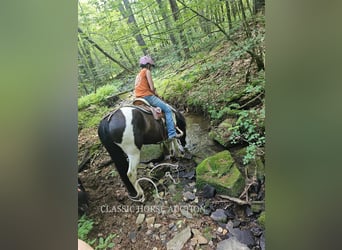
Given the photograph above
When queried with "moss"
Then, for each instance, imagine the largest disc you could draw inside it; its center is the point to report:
(216, 164)
(222, 133)
(221, 172)
(262, 219)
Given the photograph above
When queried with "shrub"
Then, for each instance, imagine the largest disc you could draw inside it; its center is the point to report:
(95, 98)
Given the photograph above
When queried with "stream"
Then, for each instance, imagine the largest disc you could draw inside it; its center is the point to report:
(199, 144)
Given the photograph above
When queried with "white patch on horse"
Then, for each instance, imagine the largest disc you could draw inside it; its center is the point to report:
(131, 150)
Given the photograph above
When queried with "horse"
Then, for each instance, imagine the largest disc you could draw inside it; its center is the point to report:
(124, 131)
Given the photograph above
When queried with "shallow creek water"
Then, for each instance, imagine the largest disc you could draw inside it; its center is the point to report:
(198, 141)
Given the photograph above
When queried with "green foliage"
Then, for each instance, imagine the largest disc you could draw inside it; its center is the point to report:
(85, 225)
(91, 116)
(105, 243)
(250, 128)
(94, 98)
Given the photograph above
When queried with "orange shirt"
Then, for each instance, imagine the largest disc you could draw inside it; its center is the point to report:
(141, 87)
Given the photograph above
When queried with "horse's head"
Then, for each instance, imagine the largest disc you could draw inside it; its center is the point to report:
(181, 124)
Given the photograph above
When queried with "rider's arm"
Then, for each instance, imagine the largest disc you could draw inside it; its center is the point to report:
(150, 81)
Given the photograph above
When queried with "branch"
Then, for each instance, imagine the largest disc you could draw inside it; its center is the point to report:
(236, 200)
(102, 51)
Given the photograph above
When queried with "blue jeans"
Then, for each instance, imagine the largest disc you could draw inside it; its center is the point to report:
(155, 101)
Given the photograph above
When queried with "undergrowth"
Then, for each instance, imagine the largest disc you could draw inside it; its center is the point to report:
(85, 225)
(91, 109)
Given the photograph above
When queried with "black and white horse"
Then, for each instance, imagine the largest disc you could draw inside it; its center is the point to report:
(124, 132)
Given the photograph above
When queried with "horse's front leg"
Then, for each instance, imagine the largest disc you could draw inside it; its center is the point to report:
(132, 175)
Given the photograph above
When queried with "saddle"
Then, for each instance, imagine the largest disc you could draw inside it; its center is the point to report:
(146, 107)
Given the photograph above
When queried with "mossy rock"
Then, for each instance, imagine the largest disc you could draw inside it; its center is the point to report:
(222, 133)
(151, 152)
(253, 167)
(221, 172)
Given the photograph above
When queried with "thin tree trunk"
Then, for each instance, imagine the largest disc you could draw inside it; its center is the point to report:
(166, 19)
(259, 5)
(175, 13)
(87, 61)
(131, 20)
(244, 19)
(228, 15)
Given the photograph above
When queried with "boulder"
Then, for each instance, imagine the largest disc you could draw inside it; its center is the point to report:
(221, 133)
(221, 172)
(256, 166)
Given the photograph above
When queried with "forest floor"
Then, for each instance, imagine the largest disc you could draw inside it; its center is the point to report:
(182, 207)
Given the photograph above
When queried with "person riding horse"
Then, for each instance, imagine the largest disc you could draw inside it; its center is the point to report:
(124, 131)
(144, 88)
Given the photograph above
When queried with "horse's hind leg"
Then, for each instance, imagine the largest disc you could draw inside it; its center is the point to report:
(134, 159)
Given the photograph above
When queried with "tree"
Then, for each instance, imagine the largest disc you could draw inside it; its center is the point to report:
(259, 5)
(127, 11)
(176, 16)
(166, 19)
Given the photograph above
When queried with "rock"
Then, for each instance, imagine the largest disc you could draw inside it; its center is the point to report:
(157, 225)
(256, 166)
(256, 231)
(186, 213)
(231, 244)
(221, 172)
(198, 237)
(208, 191)
(248, 211)
(219, 215)
(244, 236)
(219, 229)
(235, 223)
(132, 237)
(230, 213)
(262, 242)
(171, 225)
(140, 219)
(179, 239)
(189, 175)
(222, 133)
(188, 196)
(150, 221)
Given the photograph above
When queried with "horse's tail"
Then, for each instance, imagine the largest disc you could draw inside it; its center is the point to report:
(116, 153)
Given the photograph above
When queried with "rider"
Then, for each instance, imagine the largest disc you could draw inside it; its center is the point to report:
(144, 88)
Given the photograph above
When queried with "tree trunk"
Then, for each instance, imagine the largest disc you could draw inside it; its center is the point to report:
(131, 20)
(166, 19)
(175, 13)
(228, 15)
(259, 5)
(244, 19)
